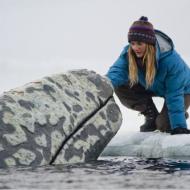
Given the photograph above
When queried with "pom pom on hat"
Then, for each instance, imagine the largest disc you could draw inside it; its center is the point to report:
(143, 18)
(142, 30)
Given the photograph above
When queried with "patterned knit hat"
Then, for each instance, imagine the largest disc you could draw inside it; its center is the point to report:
(142, 30)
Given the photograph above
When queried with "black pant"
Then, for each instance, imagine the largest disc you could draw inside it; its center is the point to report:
(137, 98)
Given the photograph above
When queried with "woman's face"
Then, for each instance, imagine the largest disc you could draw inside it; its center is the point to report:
(139, 48)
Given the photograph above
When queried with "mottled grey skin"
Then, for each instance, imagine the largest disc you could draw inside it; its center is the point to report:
(60, 119)
(90, 140)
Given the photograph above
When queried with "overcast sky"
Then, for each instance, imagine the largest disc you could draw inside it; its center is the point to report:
(41, 37)
(84, 29)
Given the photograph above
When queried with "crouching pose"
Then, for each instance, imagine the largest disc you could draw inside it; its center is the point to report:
(150, 67)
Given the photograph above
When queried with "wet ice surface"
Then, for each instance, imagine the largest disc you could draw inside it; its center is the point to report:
(149, 145)
(106, 173)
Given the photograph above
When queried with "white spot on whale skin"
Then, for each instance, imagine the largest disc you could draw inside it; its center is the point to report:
(56, 140)
(8, 117)
(17, 137)
(10, 161)
(25, 157)
(41, 140)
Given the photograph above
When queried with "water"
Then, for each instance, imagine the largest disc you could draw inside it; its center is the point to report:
(105, 173)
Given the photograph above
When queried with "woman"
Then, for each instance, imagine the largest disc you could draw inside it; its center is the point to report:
(149, 66)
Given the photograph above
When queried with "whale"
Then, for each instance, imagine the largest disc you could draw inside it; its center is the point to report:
(64, 118)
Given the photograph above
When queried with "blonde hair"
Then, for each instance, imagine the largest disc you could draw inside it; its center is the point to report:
(149, 59)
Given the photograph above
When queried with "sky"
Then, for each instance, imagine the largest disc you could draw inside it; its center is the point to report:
(42, 37)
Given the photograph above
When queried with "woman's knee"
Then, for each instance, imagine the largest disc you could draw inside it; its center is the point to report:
(123, 93)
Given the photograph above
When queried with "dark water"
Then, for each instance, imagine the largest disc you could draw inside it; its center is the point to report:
(106, 173)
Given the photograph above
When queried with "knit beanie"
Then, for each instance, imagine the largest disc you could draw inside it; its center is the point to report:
(143, 31)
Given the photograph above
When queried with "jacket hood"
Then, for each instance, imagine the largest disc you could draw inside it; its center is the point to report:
(164, 44)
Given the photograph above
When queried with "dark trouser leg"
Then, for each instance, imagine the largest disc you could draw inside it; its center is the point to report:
(135, 97)
(162, 121)
(139, 99)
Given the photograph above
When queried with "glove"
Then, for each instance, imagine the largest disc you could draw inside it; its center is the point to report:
(179, 130)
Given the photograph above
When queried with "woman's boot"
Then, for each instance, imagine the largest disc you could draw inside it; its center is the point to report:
(150, 114)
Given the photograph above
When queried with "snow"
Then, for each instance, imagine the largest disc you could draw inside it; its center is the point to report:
(150, 144)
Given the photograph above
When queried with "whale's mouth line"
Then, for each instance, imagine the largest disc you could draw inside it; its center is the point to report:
(80, 125)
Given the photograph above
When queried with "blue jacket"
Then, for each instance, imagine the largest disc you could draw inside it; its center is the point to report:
(172, 79)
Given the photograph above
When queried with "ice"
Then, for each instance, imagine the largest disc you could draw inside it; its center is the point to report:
(149, 144)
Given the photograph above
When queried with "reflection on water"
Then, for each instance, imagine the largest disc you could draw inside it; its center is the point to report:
(106, 173)
(169, 166)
